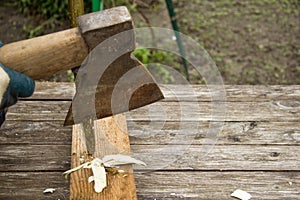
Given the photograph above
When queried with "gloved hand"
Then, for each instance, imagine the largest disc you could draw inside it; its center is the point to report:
(12, 86)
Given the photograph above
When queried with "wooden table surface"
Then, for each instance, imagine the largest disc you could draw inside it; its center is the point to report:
(258, 149)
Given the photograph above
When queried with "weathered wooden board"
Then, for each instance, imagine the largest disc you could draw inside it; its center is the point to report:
(53, 91)
(170, 111)
(65, 91)
(35, 132)
(240, 133)
(192, 185)
(217, 185)
(30, 185)
(227, 157)
(176, 157)
(236, 93)
(35, 157)
(264, 133)
(257, 150)
(235, 111)
(111, 137)
(39, 110)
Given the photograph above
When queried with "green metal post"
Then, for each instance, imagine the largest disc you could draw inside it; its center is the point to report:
(177, 35)
(97, 5)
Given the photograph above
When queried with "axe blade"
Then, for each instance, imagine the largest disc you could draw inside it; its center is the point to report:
(117, 91)
(111, 80)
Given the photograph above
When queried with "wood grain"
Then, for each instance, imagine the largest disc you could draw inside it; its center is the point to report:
(257, 150)
(30, 185)
(235, 93)
(217, 185)
(278, 111)
(198, 93)
(111, 137)
(143, 133)
(46, 55)
(192, 185)
(167, 157)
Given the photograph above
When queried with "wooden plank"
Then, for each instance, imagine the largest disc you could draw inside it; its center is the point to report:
(193, 185)
(236, 93)
(39, 110)
(233, 111)
(167, 157)
(263, 133)
(258, 135)
(111, 137)
(240, 133)
(217, 185)
(227, 157)
(30, 185)
(35, 132)
(283, 111)
(53, 91)
(35, 157)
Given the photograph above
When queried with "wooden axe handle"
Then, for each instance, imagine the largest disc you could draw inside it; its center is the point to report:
(46, 55)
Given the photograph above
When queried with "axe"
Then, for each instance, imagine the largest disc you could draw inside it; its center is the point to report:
(44, 56)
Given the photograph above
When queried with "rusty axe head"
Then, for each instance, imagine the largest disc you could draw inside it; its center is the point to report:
(111, 80)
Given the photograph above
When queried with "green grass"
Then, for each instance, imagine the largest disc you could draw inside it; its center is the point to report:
(242, 36)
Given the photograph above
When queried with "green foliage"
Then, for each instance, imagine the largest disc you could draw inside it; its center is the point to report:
(45, 8)
(55, 11)
(71, 76)
(148, 56)
(113, 3)
(294, 2)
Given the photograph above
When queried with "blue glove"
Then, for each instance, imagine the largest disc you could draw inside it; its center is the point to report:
(12, 86)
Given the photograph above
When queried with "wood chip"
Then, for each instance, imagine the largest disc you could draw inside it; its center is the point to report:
(49, 190)
(240, 194)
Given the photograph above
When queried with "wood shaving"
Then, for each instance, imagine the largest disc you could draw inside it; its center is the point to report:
(49, 190)
(99, 166)
(240, 194)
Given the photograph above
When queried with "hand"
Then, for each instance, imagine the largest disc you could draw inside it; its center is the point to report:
(12, 86)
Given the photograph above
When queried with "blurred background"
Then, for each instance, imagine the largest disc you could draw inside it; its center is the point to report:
(251, 41)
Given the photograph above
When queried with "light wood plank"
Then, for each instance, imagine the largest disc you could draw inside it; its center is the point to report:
(227, 157)
(283, 111)
(257, 150)
(39, 110)
(168, 157)
(236, 93)
(35, 157)
(192, 185)
(53, 91)
(241, 133)
(111, 137)
(217, 185)
(35, 132)
(231, 111)
(30, 185)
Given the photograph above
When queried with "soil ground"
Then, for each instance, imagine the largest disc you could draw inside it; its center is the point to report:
(252, 42)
